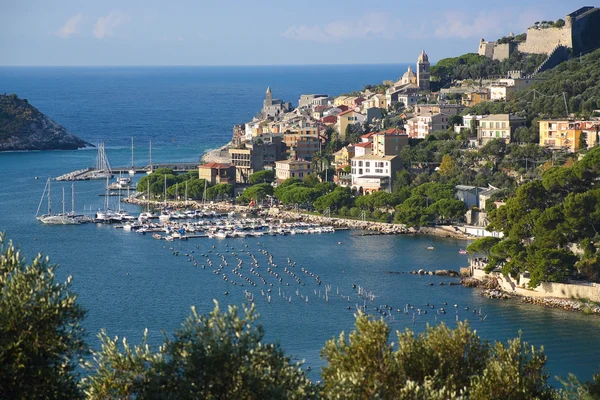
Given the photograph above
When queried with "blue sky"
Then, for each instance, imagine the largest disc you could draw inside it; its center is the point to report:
(244, 32)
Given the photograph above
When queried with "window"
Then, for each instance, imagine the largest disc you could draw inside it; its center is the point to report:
(360, 171)
(367, 170)
(367, 163)
(483, 124)
(360, 164)
(378, 171)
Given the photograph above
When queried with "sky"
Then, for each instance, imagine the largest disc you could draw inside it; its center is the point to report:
(256, 32)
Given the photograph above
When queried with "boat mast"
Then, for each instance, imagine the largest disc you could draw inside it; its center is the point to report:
(73, 198)
(42, 198)
(204, 194)
(165, 191)
(49, 199)
(186, 194)
(106, 196)
(63, 190)
(148, 204)
(132, 165)
(150, 155)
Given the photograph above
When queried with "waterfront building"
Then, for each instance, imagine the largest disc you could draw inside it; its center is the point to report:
(255, 156)
(216, 173)
(474, 196)
(347, 118)
(565, 134)
(372, 173)
(285, 169)
(498, 126)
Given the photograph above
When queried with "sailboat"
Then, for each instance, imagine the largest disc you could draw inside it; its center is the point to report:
(102, 169)
(54, 219)
(132, 170)
(150, 170)
(147, 215)
(165, 215)
(107, 216)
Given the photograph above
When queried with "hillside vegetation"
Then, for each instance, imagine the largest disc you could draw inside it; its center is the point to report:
(474, 66)
(578, 79)
(24, 127)
(550, 226)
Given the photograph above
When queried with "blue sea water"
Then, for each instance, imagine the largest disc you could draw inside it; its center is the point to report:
(129, 282)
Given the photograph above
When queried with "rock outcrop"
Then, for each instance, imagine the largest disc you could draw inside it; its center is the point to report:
(24, 127)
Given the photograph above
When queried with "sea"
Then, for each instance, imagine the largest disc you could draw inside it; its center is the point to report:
(129, 282)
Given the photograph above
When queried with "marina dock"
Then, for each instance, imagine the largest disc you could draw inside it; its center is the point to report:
(87, 174)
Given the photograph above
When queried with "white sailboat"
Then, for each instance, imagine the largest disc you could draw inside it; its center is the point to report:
(102, 169)
(165, 215)
(108, 215)
(132, 170)
(55, 219)
(150, 169)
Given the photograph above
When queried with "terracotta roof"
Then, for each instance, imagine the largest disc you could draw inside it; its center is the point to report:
(365, 144)
(349, 111)
(330, 118)
(343, 107)
(368, 135)
(214, 165)
(320, 108)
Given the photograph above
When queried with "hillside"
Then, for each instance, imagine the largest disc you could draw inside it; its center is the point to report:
(23, 127)
(474, 66)
(578, 79)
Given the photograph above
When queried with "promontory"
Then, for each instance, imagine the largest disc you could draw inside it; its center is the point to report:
(24, 127)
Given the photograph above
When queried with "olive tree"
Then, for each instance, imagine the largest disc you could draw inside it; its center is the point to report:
(41, 339)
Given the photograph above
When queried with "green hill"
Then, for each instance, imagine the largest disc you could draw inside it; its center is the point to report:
(578, 79)
(24, 127)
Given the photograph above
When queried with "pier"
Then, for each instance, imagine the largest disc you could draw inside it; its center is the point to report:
(87, 174)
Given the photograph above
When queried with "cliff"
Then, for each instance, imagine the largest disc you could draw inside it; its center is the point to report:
(23, 127)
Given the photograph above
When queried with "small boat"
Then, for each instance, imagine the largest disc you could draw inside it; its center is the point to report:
(430, 248)
(462, 251)
(156, 236)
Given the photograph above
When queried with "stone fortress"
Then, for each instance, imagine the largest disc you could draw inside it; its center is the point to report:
(581, 32)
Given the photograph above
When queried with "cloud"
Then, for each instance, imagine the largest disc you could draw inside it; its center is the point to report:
(105, 26)
(70, 27)
(493, 23)
(371, 25)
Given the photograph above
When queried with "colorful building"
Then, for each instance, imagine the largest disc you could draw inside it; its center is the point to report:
(498, 126)
(285, 169)
(566, 134)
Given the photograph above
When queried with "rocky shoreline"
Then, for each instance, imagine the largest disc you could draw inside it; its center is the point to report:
(491, 290)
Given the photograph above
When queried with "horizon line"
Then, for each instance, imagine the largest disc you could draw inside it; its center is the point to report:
(200, 65)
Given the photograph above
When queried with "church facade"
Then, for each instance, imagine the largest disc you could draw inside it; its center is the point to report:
(273, 107)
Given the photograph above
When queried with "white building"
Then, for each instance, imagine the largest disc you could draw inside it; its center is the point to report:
(372, 173)
(420, 126)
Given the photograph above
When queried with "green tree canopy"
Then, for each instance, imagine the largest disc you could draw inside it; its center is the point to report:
(41, 338)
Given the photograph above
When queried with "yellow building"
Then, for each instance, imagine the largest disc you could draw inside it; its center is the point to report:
(474, 98)
(566, 134)
(349, 117)
(343, 156)
(292, 169)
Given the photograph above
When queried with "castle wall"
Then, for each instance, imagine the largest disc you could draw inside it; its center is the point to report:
(503, 51)
(543, 41)
(486, 49)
